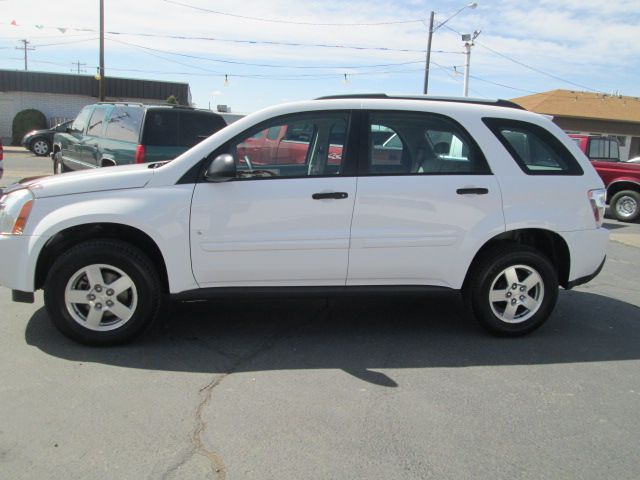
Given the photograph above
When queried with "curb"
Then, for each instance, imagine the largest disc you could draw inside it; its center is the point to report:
(15, 150)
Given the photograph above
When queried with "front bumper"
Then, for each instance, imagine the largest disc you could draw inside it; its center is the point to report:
(17, 264)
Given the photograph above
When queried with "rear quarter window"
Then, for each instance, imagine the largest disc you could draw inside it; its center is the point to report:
(194, 127)
(535, 149)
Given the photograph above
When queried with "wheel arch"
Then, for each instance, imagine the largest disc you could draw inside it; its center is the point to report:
(549, 243)
(619, 186)
(74, 235)
(107, 162)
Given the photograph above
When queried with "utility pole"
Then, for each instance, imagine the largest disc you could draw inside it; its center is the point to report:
(432, 29)
(468, 40)
(426, 70)
(79, 65)
(25, 46)
(101, 84)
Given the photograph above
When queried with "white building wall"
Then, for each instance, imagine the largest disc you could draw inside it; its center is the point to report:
(56, 107)
(53, 105)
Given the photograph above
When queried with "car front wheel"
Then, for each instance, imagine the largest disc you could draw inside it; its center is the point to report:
(625, 205)
(40, 147)
(512, 289)
(58, 165)
(102, 292)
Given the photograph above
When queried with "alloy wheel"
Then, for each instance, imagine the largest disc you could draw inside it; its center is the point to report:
(101, 297)
(516, 293)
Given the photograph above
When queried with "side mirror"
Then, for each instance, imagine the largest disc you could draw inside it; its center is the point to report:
(222, 169)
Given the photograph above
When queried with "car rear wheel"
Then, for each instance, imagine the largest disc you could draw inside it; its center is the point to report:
(625, 205)
(40, 147)
(58, 165)
(512, 289)
(102, 292)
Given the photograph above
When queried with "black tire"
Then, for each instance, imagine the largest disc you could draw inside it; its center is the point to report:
(40, 146)
(143, 299)
(58, 165)
(625, 205)
(489, 274)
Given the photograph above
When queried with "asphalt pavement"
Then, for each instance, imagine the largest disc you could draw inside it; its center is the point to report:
(19, 163)
(401, 387)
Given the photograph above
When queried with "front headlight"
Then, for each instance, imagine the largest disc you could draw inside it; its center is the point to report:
(14, 211)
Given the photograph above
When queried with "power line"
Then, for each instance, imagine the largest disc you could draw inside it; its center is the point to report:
(266, 65)
(279, 43)
(522, 64)
(451, 71)
(291, 22)
(65, 43)
(256, 42)
(502, 84)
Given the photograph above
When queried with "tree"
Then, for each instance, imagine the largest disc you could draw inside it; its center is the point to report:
(172, 100)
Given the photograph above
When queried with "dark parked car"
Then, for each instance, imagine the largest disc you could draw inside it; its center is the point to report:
(40, 141)
(108, 134)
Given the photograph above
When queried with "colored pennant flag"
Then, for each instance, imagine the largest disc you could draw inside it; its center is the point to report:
(39, 27)
(62, 29)
(14, 23)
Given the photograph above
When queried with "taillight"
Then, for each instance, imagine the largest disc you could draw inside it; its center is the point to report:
(598, 201)
(140, 154)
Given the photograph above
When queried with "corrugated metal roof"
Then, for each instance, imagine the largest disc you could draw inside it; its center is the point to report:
(43, 82)
(597, 106)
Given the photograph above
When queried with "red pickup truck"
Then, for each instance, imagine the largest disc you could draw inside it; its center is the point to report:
(622, 179)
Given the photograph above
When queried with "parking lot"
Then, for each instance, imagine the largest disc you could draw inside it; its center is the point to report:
(366, 387)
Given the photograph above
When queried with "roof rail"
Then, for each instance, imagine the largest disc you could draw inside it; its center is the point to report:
(120, 103)
(168, 105)
(379, 96)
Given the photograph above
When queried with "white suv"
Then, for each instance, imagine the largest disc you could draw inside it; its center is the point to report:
(354, 192)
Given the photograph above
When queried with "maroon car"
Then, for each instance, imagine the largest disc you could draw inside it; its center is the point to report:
(622, 179)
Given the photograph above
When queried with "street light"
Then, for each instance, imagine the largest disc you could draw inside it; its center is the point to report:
(471, 5)
(468, 40)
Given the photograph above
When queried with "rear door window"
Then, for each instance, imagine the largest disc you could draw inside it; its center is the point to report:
(536, 150)
(413, 143)
(124, 124)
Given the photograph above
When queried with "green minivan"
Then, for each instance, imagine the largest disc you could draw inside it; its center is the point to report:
(108, 134)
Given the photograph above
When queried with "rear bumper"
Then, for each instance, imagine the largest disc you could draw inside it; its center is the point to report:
(588, 250)
(587, 278)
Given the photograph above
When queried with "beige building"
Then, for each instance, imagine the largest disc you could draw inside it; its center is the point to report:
(591, 113)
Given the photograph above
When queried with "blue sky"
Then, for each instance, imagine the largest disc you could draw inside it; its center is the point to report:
(524, 46)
